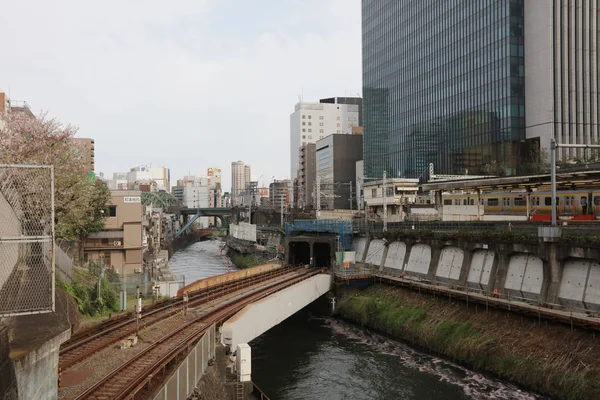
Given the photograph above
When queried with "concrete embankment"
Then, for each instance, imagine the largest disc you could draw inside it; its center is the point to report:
(551, 359)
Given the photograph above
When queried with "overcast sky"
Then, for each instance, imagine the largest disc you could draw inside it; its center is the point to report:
(183, 84)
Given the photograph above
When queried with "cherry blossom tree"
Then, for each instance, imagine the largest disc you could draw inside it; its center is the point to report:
(79, 201)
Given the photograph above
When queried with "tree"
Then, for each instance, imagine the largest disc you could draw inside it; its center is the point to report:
(79, 202)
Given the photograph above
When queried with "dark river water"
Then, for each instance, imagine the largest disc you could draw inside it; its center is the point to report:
(310, 356)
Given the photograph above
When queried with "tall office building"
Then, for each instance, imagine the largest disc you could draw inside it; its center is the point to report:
(240, 176)
(313, 121)
(474, 86)
(86, 150)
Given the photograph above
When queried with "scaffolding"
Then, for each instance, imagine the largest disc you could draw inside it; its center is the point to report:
(342, 228)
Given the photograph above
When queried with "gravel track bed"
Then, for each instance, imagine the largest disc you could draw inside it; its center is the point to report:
(105, 361)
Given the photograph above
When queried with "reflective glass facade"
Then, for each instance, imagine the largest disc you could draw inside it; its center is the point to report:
(443, 83)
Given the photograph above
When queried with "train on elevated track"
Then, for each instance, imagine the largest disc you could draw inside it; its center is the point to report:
(577, 204)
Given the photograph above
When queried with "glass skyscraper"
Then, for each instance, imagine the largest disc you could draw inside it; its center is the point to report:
(443, 83)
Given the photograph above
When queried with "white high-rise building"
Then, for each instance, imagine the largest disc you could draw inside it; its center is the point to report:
(313, 121)
(143, 173)
(240, 177)
(562, 72)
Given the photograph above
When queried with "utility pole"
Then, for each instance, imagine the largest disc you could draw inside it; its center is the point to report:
(553, 178)
(384, 201)
(351, 197)
(281, 211)
(318, 196)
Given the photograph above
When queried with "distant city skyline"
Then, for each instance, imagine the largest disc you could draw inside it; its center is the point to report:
(188, 87)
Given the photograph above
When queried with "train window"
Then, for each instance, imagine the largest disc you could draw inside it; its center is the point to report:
(567, 201)
(492, 202)
(519, 201)
(472, 202)
(447, 202)
(597, 200)
(547, 201)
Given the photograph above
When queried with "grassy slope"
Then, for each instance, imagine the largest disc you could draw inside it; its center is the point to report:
(546, 358)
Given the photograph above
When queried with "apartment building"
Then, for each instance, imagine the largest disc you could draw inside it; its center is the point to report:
(119, 245)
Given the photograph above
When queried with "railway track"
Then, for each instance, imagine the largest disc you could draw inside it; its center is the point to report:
(84, 344)
(130, 378)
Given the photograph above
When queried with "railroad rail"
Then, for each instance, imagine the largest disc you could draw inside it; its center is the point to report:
(94, 339)
(133, 376)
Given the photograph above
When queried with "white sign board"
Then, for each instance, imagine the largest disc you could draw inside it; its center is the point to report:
(132, 199)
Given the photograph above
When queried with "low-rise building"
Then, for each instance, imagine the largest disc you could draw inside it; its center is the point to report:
(336, 157)
(119, 245)
(279, 194)
(400, 192)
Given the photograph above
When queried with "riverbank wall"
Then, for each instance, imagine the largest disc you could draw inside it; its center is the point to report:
(551, 359)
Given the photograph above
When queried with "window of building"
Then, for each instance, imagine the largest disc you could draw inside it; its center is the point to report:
(349, 118)
(320, 117)
(338, 118)
(310, 130)
(310, 116)
(320, 137)
(373, 192)
(320, 124)
(303, 116)
(338, 125)
(321, 131)
(303, 123)
(309, 136)
(112, 211)
(338, 131)
(303, 136)
(310, 123)
(303, 130)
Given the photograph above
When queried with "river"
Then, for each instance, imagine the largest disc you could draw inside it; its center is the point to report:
(310, 356)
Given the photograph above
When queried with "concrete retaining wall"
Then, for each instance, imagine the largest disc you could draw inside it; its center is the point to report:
(419, 260)
(243, 231)
(229, 277)
(183, 381)
(396, 256)
(375, 252)
(450, 264)
(360, 246)
(579, 283)
(567, 276)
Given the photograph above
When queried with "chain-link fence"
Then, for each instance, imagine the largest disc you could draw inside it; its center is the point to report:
(26, 239)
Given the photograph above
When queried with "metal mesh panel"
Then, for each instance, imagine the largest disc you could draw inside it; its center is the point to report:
(26, 239)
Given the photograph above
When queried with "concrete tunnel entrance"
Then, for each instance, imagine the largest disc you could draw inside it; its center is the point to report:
(322, 255)
(299, 253)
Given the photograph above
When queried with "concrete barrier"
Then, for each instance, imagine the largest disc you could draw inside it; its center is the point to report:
(482, 269)
(450, 264)
(394, 260)
(419, 259)
(579, 283)
(360, 246)
(229, 277)
(592, 291)
(375, 252)
(243, 231)
(525, 277)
